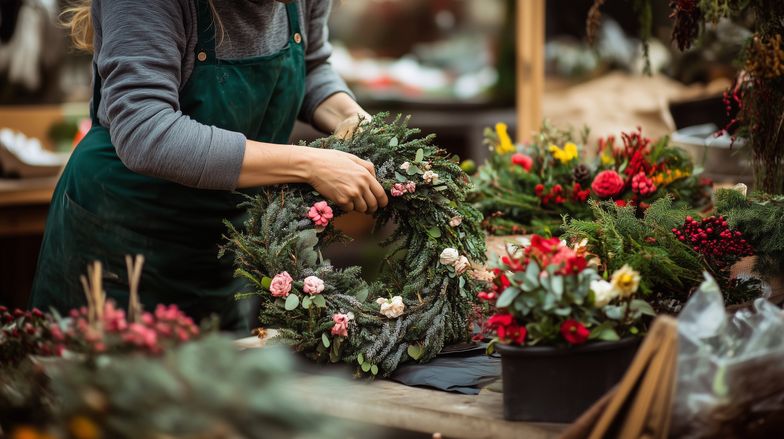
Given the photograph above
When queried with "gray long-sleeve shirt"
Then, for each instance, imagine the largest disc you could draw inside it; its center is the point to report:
(144, 52)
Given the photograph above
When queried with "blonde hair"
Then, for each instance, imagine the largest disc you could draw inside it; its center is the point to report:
(77, 18)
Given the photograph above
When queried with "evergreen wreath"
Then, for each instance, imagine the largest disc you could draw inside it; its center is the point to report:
(426, 294)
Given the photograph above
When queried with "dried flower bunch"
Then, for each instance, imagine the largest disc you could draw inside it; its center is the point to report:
(427, 293)
(527, 188)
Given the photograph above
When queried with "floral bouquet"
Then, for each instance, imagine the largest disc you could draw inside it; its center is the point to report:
(548, 293)
(528, 188)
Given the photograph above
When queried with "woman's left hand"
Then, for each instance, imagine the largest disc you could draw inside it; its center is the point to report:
(351, 125)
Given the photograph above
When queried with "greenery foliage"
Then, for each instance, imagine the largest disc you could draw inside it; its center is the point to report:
(761, 219)
(617, 236)
(439, 299)
(202, 389)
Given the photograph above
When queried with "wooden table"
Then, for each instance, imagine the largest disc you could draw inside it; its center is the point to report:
(390, 404)
(24, 204)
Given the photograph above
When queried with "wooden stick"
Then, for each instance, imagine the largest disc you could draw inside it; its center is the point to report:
(530, 66)
(134, 278)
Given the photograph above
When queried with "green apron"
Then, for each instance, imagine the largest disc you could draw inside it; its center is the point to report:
(103, 211)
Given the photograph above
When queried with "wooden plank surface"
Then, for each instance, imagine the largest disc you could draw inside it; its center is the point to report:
(390, 404)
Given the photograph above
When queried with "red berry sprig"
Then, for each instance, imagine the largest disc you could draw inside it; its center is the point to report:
(713, 238)
(642, 185)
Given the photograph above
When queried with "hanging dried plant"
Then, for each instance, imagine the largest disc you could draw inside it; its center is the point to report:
(594, 21)
(765, 57)
(686, 16)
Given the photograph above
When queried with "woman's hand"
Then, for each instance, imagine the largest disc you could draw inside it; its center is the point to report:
(346, 180)
(340, 177)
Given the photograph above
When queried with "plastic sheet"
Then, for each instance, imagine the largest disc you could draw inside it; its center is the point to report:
(730, 380)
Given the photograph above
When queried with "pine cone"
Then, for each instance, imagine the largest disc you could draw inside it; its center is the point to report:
(581, 173)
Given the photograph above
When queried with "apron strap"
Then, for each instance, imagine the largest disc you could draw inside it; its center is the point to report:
(205, 44)
(293, 15)
(96, 96)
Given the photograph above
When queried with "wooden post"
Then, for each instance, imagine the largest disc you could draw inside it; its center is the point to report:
(530, 66)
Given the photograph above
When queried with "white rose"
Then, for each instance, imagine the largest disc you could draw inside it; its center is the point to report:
(449, 256)
(603, 292)
(455, 221)
(461, 264)
(405, 166)
(430, 177)
(392, 308)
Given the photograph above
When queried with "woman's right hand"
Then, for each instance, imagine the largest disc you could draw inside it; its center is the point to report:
(346, 180)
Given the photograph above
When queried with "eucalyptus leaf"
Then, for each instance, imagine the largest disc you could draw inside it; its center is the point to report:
(420, 154)
(434, 232)
(374, 369)
(557, 284)
(266, 282)
(415, 351)
(360, 358)
(366, 367)
(325, 339)
(507, 297)
(393, 141)
(306, 301)
(291, 302)
(413, 169)
(532, 275)
(614, 312)
(319, 301)
(642, 307)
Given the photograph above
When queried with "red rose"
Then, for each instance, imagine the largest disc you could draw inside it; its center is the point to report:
(574, 332)
(607, 184)
(523, 161)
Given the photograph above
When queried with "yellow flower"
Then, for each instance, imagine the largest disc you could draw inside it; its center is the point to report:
(83, 428)
(505, 145)
(565, 155)
(626, 280)
(607, 159)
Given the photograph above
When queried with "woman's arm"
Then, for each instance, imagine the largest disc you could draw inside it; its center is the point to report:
(339, 114)
(341, 177)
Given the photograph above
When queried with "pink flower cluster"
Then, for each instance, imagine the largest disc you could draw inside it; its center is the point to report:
(320, 213)
(400, 189)
(341, 325)
(154, 332)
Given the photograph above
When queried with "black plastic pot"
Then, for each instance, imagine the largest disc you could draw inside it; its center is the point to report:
(547, 384)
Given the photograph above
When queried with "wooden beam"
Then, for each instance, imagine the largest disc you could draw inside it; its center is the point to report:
(530, 29)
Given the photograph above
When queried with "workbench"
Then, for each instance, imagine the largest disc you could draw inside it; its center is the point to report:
(388, 404)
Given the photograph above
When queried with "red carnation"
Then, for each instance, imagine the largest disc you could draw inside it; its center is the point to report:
(574, 332)
(507, 328)
(607, 184)
(620, 203)
(523, 160)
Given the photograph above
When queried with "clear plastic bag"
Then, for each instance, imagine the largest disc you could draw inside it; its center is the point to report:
(730, 380)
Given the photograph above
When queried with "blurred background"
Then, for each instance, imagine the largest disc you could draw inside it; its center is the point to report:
(450, 64)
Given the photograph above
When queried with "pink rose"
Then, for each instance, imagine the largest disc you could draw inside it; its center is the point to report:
(398, 189)
(281, 285)
(313, 285)
(410, 187)
(320, 213)
(341, 325)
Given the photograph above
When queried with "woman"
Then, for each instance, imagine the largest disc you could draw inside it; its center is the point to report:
(193, 100)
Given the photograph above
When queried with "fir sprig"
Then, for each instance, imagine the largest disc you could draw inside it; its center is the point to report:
(439, 303)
